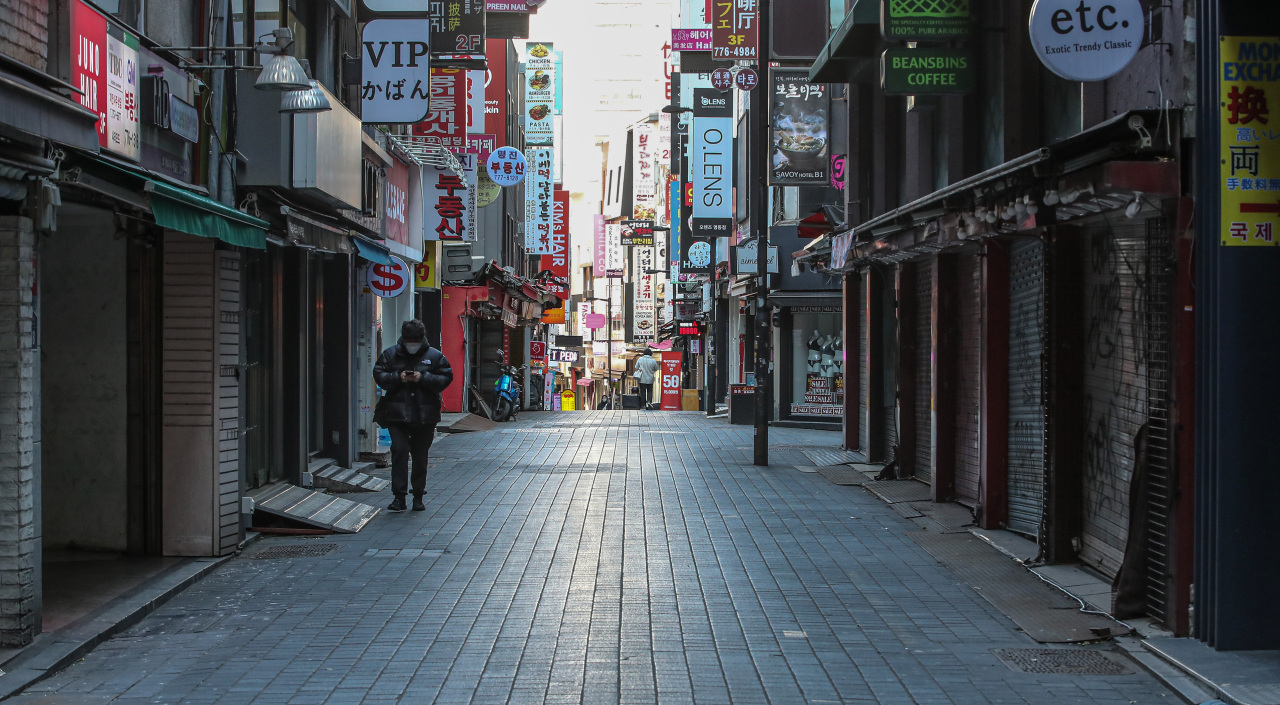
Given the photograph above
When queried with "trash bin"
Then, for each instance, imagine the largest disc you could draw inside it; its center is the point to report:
(742, 404)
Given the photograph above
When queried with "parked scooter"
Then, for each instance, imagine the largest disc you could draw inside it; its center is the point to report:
(506, 393)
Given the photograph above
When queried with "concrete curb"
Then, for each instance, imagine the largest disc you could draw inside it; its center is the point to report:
(50, 653)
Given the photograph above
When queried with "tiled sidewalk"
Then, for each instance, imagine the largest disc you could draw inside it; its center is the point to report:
(595, 557)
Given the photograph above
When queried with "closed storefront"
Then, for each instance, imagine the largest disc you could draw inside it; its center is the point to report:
(1026, 385)
(860, 364)
(923, 409)
(1125, 388)
(968, 371)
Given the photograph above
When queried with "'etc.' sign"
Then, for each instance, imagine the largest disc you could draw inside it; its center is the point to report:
(1080, 41)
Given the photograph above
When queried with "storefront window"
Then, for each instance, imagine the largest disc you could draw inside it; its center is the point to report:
(817, 361)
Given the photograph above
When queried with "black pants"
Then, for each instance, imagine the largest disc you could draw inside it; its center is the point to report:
(407, 441)
(646, 395)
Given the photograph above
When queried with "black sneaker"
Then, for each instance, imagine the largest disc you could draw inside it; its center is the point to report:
(397, 505)
(418, 506)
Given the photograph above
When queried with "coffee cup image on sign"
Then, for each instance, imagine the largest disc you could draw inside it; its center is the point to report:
(799, 138)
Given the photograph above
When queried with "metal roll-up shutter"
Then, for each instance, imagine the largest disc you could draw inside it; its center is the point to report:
(924, 370)
(1115, 385)
(1026, 386)
(968, 366)
(864, 376)
(1159, 442)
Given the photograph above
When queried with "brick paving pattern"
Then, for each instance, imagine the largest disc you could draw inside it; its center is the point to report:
(595, 557)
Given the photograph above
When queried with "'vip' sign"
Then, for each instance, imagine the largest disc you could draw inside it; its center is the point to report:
(396, 71)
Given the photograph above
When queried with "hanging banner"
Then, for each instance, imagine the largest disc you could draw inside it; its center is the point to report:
(643, 319)
(495, 89)
(798, 110)
(637, 233)
(1249, 176)
(695, 252)
(597, 244)
(475, 103)
(548, 389)
(396, 194)
(539, 95)
(711, 164)
(447, 120)
(671, 380)
(537, 204)
(395, 68)
(537, 356)
(123, 134)
(557, 262)
(457, 31)
(642, 187)
(735, 30)
(614, 259)
(450, 201)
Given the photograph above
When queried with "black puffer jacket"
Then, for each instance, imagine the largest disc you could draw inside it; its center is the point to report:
(411, 403)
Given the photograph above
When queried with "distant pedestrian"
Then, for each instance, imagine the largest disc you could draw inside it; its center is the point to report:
(412, 375)
(646, 372)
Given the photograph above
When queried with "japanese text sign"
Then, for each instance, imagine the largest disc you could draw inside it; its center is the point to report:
(540, 92)
(735, 30)
(396, 71)
(457, 27)
(1250, 143)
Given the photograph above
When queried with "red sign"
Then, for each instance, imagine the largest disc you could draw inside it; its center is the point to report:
(722, 79)
(397, 220)
(537, 352)
(735, 30)
(495, 89)
(389, 280)
(671, 381)
(447, 119)
(558, 261)
(89, 62)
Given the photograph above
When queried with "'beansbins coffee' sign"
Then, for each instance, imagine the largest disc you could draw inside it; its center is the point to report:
(1084, 42)
(926, 71)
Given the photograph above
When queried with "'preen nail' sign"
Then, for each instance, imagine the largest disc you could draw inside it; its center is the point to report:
(1080, 41)
(396, 72)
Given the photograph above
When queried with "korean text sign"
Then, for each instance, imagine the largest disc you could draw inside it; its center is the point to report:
(671, 381)
(447, 120)
(1250, 144)
(449, 201)
(538, 200)
(801, 147)
(735, 30)
(396, 71)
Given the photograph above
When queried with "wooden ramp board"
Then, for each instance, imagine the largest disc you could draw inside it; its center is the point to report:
(1045, 613)
(894, 491)
(317, 509)
(472, 422)
(341, 479)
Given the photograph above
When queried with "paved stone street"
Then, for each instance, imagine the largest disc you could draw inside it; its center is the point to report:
(594, 557)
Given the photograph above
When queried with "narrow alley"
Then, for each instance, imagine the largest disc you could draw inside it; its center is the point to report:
(593, 557)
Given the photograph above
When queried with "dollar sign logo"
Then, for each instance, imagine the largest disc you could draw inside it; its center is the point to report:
(388, 278)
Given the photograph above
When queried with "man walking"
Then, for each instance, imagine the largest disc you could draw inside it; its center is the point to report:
(412, 375)
(646, 369)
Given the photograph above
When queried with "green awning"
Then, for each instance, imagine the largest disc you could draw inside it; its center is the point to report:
(187, 212)
(847, 42)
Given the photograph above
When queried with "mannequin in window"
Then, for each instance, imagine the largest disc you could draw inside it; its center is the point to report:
(815, 353)
(828, 359)
(838, 345)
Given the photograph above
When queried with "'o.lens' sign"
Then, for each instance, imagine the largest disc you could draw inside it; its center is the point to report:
(1083, 42)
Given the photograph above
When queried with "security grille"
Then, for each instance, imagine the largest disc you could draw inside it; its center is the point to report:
(297, 550)
(1027, 420)
(968, 364)
(1075, 662)
(1158, 310)
(924, 371)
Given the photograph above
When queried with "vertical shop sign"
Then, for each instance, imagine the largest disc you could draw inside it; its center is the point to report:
(540, 91)
(426, 274)
(598, 244)
(798, 110)
(450, 201)
(548, 389)
(671, 380)
(735, 30)
(396, 71)
(1250, 164)
(447, 120)
(712, 164)
(557, 261)
(457, 29)
(537, 356)
(637, 233)
(614, 260)
(475, 102)
(397, 203)
(643, 318)
(495, 88)
(89, 62)
(123, 134)
(537, 204)
(642, 168)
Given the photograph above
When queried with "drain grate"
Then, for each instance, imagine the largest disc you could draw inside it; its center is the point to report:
(298, 550)
(1073, 662)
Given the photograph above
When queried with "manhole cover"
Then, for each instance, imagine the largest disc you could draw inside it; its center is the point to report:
(298, 550)
(1074, 662)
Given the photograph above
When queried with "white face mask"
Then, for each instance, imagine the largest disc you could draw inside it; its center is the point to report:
(413, 348)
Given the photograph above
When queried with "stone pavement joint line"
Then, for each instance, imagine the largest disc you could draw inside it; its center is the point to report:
(628, 557)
